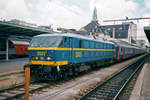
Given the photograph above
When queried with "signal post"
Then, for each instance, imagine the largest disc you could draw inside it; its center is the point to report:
(27, 82)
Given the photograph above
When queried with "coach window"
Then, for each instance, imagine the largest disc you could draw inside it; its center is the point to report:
(80, 44)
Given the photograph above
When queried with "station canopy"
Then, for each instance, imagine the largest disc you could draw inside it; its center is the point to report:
(147, 32)
(7, 29)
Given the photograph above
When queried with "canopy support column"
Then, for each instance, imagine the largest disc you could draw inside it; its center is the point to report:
(7, 49)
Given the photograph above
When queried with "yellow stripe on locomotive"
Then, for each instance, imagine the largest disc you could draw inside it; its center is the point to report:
(83, 49)
(48, 63)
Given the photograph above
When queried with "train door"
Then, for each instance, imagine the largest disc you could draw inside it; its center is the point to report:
(118, 52)
(71, 47)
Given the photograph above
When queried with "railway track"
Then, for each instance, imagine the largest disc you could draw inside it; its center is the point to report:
(18, 91)
(112, 87)
(8, 75)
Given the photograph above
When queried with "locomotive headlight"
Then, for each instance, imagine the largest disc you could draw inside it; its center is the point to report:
(49, 58)
(35, 58)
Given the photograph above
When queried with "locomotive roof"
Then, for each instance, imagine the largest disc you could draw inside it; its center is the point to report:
(73, 35)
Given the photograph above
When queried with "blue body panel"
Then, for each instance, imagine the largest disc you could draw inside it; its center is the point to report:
(85, 51)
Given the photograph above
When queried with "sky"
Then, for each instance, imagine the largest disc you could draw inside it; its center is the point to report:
(74, 13)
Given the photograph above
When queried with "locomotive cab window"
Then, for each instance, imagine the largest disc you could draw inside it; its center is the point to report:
(63, 43)
(45, 41)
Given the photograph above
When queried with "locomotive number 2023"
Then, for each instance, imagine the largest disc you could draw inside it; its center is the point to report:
(39, 53)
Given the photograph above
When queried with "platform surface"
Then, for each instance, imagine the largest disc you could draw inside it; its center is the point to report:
(12, 65)
(141, 89)
(145, 91)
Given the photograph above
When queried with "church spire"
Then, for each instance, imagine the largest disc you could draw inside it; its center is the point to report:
(95, 15)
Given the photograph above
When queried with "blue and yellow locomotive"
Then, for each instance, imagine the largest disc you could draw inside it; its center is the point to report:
(54, 56)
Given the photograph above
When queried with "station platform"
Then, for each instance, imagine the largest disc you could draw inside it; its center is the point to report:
(141, 89)
(12, 65)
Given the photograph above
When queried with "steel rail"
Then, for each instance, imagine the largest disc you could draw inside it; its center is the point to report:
(112, 87)
(18, 91)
